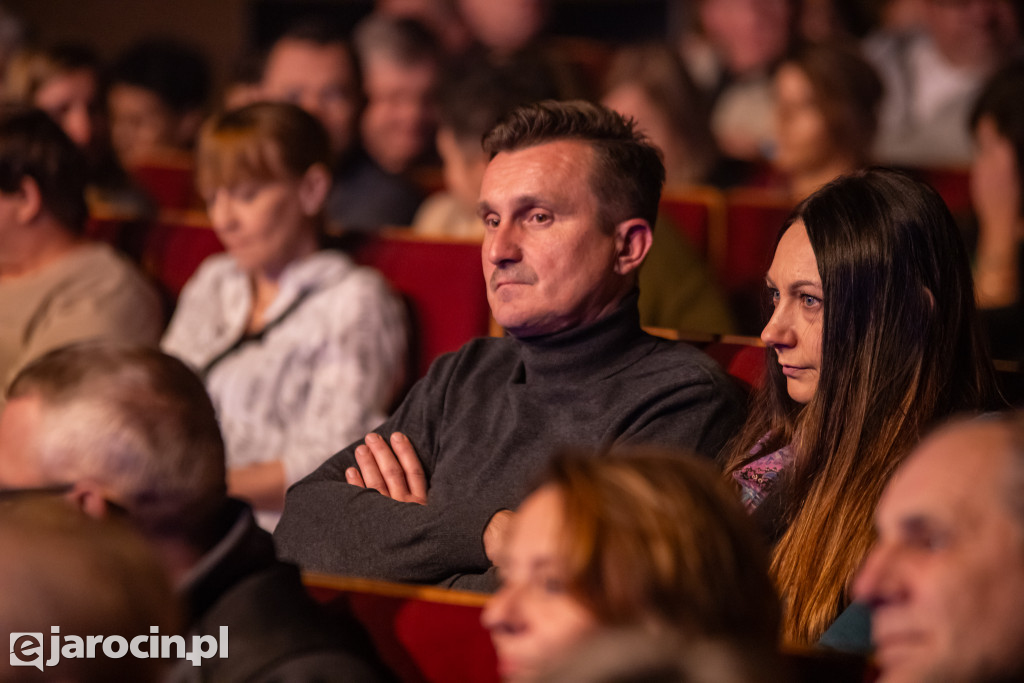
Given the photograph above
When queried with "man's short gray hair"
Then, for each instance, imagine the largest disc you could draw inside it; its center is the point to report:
(136, 421)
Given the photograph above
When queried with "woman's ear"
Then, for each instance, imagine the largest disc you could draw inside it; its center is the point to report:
(633, 239)
(314, 186)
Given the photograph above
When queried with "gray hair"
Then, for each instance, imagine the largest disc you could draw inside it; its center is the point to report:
(137, 422)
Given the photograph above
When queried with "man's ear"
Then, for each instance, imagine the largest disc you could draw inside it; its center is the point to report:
(314, 187)
(88, 496)
(30, 198)
(633, 239)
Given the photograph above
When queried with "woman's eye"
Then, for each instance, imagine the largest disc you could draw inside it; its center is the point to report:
(773, 296)
(810, 301)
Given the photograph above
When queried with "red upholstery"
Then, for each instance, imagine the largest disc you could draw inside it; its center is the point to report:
(443, 283)
(174, 248)
(743, 358)
(699, 212)
(170, 182)
(422, 634)
(953, 184)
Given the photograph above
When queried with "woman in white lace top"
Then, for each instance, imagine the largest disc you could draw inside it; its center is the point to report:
(301, 350)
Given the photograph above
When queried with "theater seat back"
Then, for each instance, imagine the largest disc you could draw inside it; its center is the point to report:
(423, 634)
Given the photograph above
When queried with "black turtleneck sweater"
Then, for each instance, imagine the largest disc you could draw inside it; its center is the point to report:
(484, 422)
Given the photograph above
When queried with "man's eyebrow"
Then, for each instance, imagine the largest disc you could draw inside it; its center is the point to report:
(482, 209)
(520, 203)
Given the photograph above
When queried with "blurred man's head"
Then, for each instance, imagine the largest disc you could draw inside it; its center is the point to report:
(158, 91)
(400, 63)
(63, 81)
(312, 66)
(124, 427)
(973, 34)
(88, 577)
(42, 185)
(945, 580)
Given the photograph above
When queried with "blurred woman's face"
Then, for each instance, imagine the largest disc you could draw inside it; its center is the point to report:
(72, 99)
(802, 140)
(794, 330)
(749, 34)
(264, 225)
(532, 618)
(631, 100)
(802, 136)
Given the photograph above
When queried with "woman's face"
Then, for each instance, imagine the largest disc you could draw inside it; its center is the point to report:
(264, 225)
(802, 139)
(794, 330)
(532, 618)
(72, 100)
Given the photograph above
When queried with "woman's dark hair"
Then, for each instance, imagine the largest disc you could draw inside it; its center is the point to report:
(847, 90)
(900, 351)
(1002, 100)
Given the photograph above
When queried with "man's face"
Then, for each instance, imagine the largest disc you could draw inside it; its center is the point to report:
(19, 425)
(72, 99)
(321, 80)
(141, 125)
(399, 119)
(972, 33)
(548, 263)
(945, 579)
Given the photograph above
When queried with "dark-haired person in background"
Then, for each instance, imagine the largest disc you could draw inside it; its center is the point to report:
(157, 94)
(55, 286)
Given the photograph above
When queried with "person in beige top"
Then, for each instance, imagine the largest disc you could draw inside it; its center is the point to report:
(56, 287)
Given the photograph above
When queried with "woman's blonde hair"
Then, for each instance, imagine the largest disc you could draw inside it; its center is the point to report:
(260, 142)
(655, 537)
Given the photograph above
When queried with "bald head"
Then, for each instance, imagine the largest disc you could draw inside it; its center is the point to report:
(945, 580)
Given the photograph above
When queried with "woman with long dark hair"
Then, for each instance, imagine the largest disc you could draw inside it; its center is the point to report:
(873, 339)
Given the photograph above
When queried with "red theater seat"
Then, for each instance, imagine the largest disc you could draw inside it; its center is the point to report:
(443, 283)
(952, 184)
(753, 220)
(175, 245)
(699, 213)
(423, 634)
(169, 179)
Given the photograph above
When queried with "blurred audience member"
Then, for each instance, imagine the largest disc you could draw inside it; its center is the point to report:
(932, 76)
(300, 348)
(650, 85)
(312, 65)
(945, 579)
(400, 61)
(87, 577)
(473, 96)
(157, 95)
(635, 655)
(13, 34)
(505, 28)
(64, 81)
(442, 17)
(732, 52)
(997, 193)
(56, 287)
(826, 116)
(648, 539)
(873, 338)
(244, 83)
(130, 431)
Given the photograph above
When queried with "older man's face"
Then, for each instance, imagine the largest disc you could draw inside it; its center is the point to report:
(548, 263)
(320, 79)
(946, 577)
